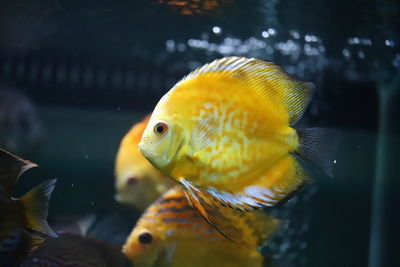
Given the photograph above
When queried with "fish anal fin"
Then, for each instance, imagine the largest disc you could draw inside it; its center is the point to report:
(288, 176)
(267, 190)
(35, 204)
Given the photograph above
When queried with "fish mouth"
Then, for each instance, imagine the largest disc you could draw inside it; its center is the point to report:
(148, 154)
(168, 155)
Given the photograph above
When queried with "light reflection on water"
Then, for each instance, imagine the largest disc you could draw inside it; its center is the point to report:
(302, 55)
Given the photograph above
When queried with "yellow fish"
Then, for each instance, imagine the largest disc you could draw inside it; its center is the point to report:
(225, 133)
(23, 223)
(172, 233)
(138, 183)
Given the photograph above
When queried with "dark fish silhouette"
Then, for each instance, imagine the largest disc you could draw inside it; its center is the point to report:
(75, 250)
(23, 221)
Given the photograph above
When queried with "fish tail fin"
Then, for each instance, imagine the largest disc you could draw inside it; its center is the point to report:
(318, 146)
(35, 203)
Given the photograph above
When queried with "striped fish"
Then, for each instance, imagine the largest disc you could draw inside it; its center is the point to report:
(173, 233)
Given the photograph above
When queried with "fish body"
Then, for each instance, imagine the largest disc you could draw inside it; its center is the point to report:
(74, 250)
(20, 128)
(225, 133)
(173, 233)
(21, 218)
(137, 182)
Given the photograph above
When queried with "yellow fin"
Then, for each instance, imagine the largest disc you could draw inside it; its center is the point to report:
(11, 168)
(265, 79)
(35, 203)
(267, 190)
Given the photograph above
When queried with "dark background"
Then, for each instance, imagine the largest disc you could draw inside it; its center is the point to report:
(93, 68)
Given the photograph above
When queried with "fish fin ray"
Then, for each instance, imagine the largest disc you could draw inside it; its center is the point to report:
(319, 146)
(36, 204)
(195, 200)
(269, 189)
(203, 133)
(265, 79)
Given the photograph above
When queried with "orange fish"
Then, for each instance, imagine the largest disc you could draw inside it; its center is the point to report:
(196, 7)
(172, 233)
(225, 132)
(23, 223)
(138, 183)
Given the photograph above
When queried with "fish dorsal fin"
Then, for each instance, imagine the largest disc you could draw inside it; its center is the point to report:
(265, 79)
(11, 168)
(203, 133)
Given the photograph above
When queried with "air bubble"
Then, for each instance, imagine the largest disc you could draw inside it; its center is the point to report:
(217, 30)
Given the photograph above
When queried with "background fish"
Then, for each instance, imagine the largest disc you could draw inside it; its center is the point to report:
(83, 241)
(172, 233)
(23, 223)
(74, 250)
(21, 130)
(138, 183)
(225, 133)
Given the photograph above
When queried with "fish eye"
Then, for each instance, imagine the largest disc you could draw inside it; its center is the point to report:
(132, 181)
(145, 238)
(160, 128)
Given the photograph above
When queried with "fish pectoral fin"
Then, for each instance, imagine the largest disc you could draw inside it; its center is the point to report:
(192, 195)
(203, 134)
(36, 204)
